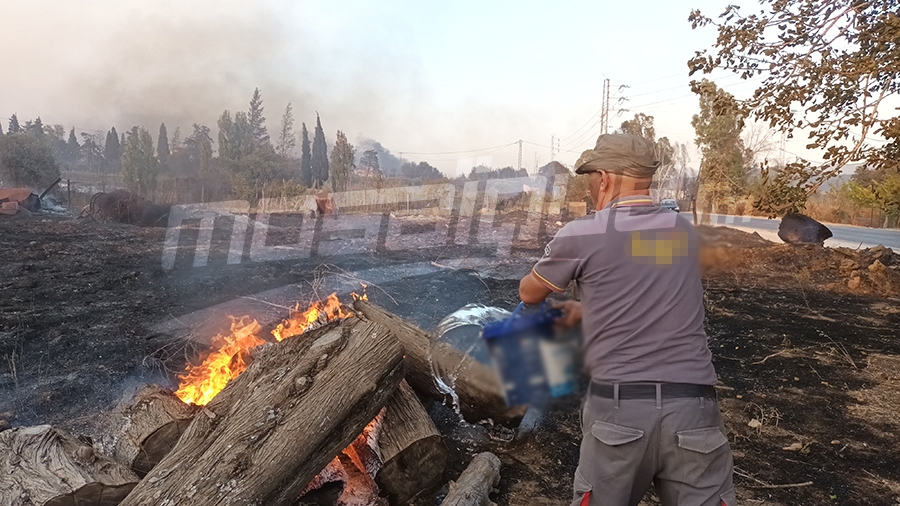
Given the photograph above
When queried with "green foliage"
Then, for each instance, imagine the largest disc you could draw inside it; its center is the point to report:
(14, 127)
(112, 151)
(718, 128)
(641, 125)
(838, 62)
(199, 148)
(257, 120)
(306, 170)
(319, 156)
(162, 145)
(286, 139)
(139, 167)
(235, 136)
(342, 162)
(250, 175)
(421, 170)
(25, 161)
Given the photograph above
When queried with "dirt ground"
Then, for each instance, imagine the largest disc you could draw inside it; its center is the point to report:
(804, 339)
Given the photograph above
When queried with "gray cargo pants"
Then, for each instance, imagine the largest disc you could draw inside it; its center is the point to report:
(678, 444)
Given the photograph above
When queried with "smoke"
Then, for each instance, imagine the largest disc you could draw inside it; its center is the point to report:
(122, 64)
(387, 161)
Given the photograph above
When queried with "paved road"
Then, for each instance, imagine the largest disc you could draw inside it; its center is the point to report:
(844, 235)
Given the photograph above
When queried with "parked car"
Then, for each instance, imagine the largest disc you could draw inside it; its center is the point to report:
(669, 204)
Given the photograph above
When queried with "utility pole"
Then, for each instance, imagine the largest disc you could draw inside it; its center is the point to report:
(604, 115)
(519, 166)
(552, 154)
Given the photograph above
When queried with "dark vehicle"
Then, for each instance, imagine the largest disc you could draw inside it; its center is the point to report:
(669, 204)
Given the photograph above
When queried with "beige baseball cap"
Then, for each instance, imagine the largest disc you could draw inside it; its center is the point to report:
(626, 154)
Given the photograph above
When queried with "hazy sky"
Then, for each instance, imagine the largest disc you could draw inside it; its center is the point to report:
(419, 77)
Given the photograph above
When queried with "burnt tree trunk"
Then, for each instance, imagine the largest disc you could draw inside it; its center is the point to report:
(475, 484)
(267, 434)
(412, 450)
(150, 426)
(43, 466)
(476, 386)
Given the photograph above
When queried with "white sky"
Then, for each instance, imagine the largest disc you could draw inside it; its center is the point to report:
(417, 76)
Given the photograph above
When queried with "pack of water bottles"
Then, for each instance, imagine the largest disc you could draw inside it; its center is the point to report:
(534, 360)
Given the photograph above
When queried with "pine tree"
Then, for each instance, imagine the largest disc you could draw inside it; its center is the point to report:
(112, 150)
(286, 140)
(139, 167)
(162, 145)
(72, 149)
(319, 156)
(14, 127)
(176, 139)
(35, 128)
(306, 172)
(342, 162)
(257, 120)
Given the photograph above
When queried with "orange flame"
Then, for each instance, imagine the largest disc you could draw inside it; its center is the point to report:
(357, 296)
(201, 383)
(298, 322)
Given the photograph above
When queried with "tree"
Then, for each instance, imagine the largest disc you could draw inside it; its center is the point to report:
(73, 148)
(641, 125)
(162, 146)
(139, 166)
(257, 120)
(112, 150)
(718, 128)
(1, 129)
(342, 162)
(35, 128)
(306, 171)
(236, 139)
(369, 162)
(199, 148)
(319, 156)
(25, 161)
(92, 151)
(14, 127)
(421, 170)
(286, 140)
(836, 61)
(176, 140)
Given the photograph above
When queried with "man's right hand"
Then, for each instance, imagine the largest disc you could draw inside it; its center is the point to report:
(571, 313)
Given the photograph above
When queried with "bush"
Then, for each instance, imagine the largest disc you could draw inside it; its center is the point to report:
(25, 161)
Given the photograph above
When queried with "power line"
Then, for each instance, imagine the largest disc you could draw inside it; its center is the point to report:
(457, 152)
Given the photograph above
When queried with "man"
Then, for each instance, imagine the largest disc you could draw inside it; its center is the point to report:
(651, 413)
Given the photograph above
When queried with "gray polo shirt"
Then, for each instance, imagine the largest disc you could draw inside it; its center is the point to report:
(638, 274)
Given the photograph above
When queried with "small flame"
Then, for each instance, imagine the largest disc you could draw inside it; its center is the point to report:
(298, 322)
(201, 383)
(357, 296)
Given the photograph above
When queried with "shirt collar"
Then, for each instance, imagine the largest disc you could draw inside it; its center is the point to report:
(634, 200)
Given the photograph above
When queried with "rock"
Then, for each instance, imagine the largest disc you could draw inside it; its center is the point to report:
(877, 267)
(797, 228)
(854, 283)
(4, 425)
(848, 265)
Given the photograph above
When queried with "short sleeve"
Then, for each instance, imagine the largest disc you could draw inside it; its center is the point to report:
(562, 261)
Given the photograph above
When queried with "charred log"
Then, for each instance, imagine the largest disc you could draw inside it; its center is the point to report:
(413, 452)
(149, 428)
(479, 392)
(43, 466)
(271, 430)
(475, 484)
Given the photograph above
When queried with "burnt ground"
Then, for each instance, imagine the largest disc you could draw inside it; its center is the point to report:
(809, 368)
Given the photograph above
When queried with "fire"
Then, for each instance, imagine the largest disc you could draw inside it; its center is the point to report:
(201, 383)
(298, 321)
(357, 296)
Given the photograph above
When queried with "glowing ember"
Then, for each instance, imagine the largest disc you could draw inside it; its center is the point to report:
(201, 383)
(357, 296)
(328, 309)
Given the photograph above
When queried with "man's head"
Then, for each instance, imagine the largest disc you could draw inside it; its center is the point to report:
(619, 165)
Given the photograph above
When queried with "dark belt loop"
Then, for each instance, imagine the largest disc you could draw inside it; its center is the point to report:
(659, 396)
(616, 394)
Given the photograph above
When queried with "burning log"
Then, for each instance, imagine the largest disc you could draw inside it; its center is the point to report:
(267, 434)
(44, 466)
(476, 483)
(476, 386)
(151, 425)
(412, 449)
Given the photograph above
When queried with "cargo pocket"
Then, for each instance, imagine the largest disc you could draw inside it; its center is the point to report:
(704, 457)
(615, 435)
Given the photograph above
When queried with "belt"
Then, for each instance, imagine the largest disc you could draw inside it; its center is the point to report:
(648, 390)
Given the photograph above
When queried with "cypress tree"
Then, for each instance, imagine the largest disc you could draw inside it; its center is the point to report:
(112, 150)
(257, 120)
(162, 145)
(319, 156)
(306, 172)
(14, 127)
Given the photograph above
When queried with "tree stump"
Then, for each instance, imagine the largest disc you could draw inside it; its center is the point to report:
(477, 388)
(476, 483)
(150, 426)
(413, 452)
(43, 466)
(264, 437)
